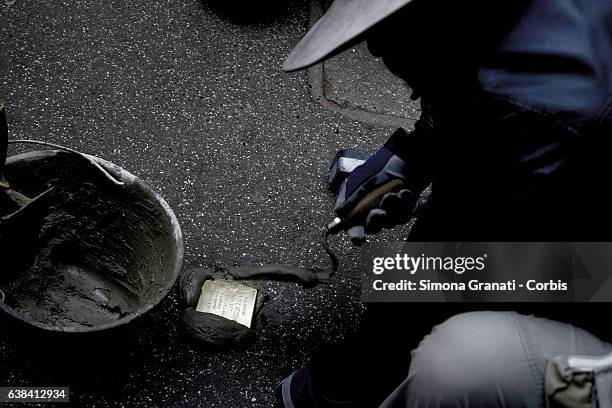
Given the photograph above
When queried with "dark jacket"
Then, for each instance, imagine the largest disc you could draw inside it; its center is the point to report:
(557, 60)
(553, 57)
(517, 117)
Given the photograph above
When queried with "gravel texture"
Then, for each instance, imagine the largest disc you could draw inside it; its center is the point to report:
(189, 96)
(357, 80)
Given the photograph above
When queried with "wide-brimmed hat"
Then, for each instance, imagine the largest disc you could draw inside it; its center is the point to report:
(343, 22)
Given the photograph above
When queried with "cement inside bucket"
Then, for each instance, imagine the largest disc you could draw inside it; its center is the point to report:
(96, 255)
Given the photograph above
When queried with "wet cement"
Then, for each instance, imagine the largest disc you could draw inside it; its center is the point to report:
(209, 329)
(95, 252)
(280, 272)
(218, 332)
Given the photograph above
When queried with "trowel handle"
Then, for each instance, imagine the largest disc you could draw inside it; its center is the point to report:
(360, 211)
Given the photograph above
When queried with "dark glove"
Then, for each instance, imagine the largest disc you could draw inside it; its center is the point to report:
(393, 208)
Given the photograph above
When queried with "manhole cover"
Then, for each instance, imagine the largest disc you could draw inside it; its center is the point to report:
(359, 86)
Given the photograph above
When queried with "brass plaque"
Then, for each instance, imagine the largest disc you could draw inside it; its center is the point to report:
(228, 299)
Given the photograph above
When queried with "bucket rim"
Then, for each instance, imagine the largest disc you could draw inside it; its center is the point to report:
(129, 178)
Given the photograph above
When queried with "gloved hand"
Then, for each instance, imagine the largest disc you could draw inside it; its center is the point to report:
(394, 207)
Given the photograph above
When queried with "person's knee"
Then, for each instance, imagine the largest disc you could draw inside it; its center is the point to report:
(489, 359)
(472, 358)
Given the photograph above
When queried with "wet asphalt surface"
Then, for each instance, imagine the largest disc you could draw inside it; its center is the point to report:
(189, 96)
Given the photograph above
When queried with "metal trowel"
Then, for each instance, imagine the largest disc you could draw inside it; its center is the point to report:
(13, 204)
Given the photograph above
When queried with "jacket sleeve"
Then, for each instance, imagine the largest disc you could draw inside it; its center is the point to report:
(414, 148)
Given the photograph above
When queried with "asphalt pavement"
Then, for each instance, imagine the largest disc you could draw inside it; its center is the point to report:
(189, 95)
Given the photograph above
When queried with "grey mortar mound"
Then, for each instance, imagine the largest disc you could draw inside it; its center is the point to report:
(209, 329)
(219, 332)
(280, 272)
